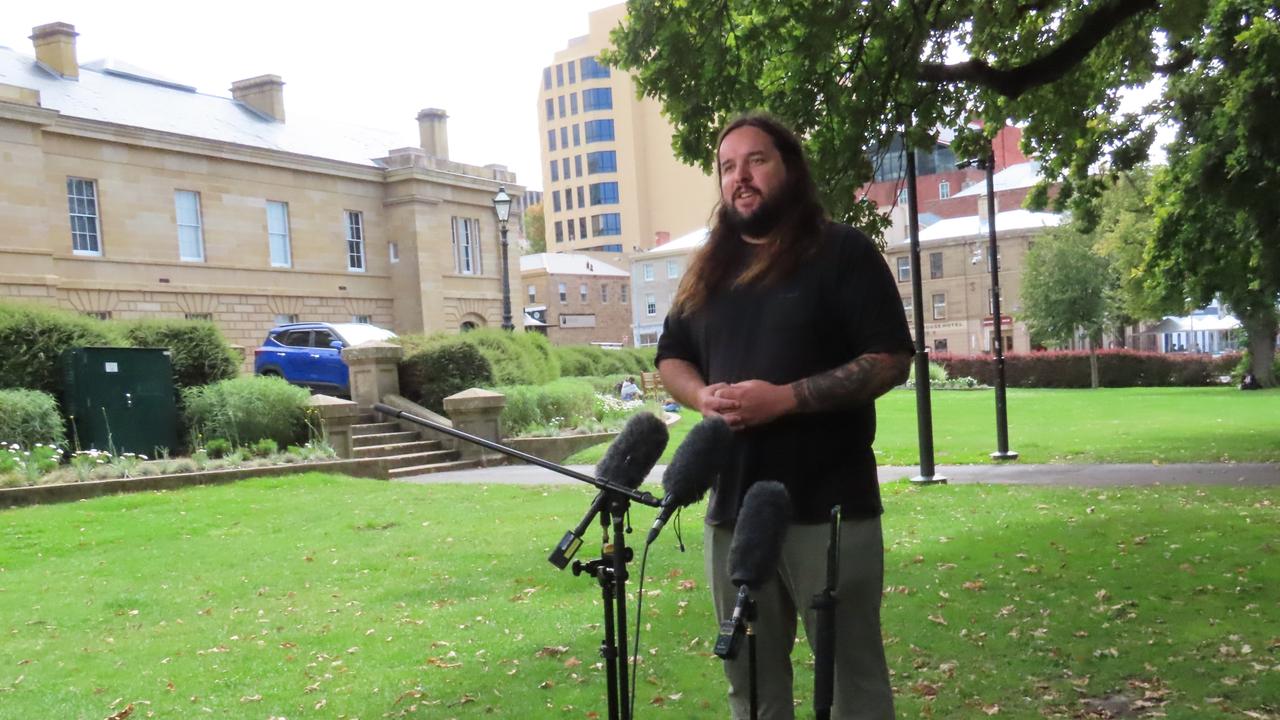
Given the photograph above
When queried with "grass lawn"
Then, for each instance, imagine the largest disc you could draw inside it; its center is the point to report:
(1108, 425)
(329, 597)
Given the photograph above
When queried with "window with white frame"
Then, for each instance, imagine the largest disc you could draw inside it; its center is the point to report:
(650, 304)
(467, 258)
(647, 339)
(904, 269)
(944, 190)
(908, 308)
(286, 318)
(646, 271)
(278, 234)
(902, 196)
(940, 306)
(564, 293)
(355, 241)
(393, 250)
(190, 233)
(673, 269)
(533, 294)
(82, 204)
(366, 319)
(991, 306)
(582, 292)
(604, 292)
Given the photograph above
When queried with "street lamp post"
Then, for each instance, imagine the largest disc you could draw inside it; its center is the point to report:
(924, 408)
(502, 207)
(1002, 418)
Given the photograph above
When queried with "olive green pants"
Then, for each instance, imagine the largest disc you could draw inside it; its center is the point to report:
(862, 690)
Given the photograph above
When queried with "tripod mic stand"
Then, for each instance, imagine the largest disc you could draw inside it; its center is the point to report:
(824, 644)
(611, 572)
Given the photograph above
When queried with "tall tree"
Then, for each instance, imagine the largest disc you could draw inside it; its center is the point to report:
(1064, 290)
(850, 74)
(535, 228)
(1218, 225)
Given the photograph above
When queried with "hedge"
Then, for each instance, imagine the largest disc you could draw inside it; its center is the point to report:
(199, 353)
(1070, 368)
(434, 368)
(528, 407)
(591, 360)
(246, 410)
(34, 338)
(28, 417)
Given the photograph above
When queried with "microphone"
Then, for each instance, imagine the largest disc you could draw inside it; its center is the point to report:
(695, 466)
(627, 462)
(754, 553)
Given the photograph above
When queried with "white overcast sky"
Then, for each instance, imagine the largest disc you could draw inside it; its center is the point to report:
(374, 63)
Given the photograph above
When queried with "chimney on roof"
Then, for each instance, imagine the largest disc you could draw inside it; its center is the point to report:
(982, 208)
(56, 48)
(661, 237)
(264, 93)
(433, 128)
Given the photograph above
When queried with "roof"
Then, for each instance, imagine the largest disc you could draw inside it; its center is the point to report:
(971, 225)
(684, 243)
(113, 92)
(1014, 177)
(1196, 323)
(569, 264)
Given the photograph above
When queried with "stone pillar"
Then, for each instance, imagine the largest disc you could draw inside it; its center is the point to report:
(336, 418)
(476, 412)
(375, 371)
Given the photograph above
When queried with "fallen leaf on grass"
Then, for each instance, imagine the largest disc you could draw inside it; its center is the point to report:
(126, 712)
(552, 651)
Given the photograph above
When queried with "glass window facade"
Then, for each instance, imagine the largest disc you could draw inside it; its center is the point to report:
(606, 224)
(598, 130)
(592, 69)
(604, 193)
(602, 162)
(597, 99)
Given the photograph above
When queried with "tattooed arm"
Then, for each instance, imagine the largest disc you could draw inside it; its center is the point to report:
(855, 383)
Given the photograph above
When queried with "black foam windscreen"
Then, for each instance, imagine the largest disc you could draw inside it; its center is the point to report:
(758, 535)
(635, 451)
(697, 462)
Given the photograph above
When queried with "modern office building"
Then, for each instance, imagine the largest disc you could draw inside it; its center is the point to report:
(610, 179)
(126, 195)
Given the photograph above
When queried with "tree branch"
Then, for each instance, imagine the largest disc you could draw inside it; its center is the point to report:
(1180, 61)
(1013, 82)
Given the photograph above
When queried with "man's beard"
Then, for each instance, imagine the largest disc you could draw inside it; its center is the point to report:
(764, 220)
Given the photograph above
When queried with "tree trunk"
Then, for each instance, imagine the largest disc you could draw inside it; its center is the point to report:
(1093, 364)
(1260, 326)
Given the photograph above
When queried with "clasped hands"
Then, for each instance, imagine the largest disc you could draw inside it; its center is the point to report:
(746, 404)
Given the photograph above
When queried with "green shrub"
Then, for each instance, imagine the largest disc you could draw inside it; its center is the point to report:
(28, 417)
(539, 347)
(937, 374)
(217, 448)
(247, 409)
(515, 361)
(574, 361)
(34, 337)
(198, 352)
(563, 403)
(265, 447)
(435, 368)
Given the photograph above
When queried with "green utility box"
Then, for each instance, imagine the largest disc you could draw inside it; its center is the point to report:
(120, 399)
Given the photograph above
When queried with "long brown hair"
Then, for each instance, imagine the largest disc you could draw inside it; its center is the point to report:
(797, 234)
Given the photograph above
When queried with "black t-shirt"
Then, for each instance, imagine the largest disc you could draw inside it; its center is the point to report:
(840, 303)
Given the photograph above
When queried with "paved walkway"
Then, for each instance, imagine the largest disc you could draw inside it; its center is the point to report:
(1008, 474)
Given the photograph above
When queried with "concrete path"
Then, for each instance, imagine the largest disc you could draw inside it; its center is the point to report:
(1010, 474)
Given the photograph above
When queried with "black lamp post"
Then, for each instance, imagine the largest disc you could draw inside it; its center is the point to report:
(924, 407)
(1002, 417)
(502, 207)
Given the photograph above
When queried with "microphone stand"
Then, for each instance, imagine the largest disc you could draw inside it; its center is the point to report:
(824, 645)
(610, 570)
(726, 646)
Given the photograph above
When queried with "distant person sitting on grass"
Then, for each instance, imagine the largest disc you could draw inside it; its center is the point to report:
(1250, 382)
(629, 390)
(670, 405)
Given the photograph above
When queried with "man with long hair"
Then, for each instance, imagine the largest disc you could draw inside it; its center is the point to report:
(789, 327)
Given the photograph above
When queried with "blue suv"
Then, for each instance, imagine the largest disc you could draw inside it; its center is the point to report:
(310, 353)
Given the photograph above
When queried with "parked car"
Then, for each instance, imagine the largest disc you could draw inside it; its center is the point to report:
(310, 353)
